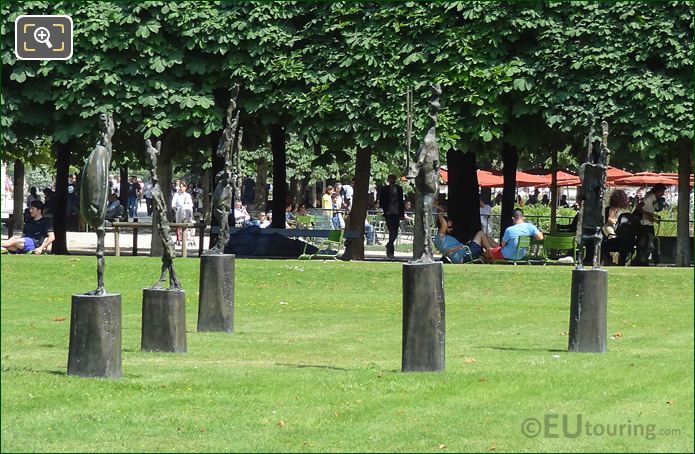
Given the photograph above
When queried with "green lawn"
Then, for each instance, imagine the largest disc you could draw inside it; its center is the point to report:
(314, 363)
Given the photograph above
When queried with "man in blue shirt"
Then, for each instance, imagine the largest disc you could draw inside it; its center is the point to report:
(510, 240)
(453, 249)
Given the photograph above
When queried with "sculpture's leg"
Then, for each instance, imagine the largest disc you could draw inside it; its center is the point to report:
(173, 280)
(101, 233)
(428, 200)
(580, 254)
(162, 277)
(597, 251)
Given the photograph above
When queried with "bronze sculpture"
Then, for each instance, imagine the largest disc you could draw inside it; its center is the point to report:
(593, 176)
(427, 180)
(94, 191)
(160, 206)
(223, 195)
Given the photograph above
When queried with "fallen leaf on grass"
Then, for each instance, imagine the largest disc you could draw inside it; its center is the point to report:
(441, 446)
(670, 402)
(493, 447)
(202, 429)
(469, 361)
(281, 424)
(59, 319)
(618, 334)
(483, 380)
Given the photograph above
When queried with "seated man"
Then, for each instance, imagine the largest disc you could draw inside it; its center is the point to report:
(113, 209)
(510, 239)
(36, 235)
(455, 250)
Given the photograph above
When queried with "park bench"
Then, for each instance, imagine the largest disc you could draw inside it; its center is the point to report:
(118, 225)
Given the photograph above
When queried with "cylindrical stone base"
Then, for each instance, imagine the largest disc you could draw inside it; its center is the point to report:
(95, 336)
(216, 303)
(163, 320)
(423, 317)
(588, 311)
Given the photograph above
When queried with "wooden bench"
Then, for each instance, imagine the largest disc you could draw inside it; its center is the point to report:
(118, 225)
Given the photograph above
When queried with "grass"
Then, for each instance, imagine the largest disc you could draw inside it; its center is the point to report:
(314, 363)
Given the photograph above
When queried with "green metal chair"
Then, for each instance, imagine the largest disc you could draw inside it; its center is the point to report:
(524, 242)
(558, 243)
(325, 247)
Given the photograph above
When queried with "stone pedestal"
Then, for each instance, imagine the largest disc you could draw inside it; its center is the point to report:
(163, 320)
(423, 317)
(588, 311)
(95, 336)
(216, 304)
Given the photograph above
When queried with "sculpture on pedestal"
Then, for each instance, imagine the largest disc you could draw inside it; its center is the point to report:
(593, 176)
(160, 206)
(94, 191)
(427, 180)
(223, 195)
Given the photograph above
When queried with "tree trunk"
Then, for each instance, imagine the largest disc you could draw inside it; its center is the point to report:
(60, 216)
(123, 190)
(18, 196)
(464, 205)
(261, 199)
(354, 248)
(278, 146)
(683, 227)
(510, 161)
(553, 189)
(297, 189)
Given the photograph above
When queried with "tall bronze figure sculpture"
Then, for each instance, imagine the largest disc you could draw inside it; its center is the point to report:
(222, 197)
(163, 309)
(589, 297)
(423, 286)
(94, 191)
(427, 182)
(160, 207)
(593, 176)
(216, 296)
(95, 317)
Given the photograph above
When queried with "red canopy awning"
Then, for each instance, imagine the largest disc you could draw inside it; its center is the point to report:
(675, 176)
(645, 179)
(487, 179)
(563, 179)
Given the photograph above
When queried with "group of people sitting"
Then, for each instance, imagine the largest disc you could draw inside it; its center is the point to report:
(481, 245)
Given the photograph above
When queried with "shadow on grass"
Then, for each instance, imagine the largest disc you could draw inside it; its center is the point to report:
(515, 349)
(315, 366)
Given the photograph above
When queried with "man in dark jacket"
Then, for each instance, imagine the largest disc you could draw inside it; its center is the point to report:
(391, 201)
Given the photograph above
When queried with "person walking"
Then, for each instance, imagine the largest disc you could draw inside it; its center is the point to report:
(391, 201)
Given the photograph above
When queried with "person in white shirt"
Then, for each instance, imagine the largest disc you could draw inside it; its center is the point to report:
(182, 203)
(241, 216)
(648, 207)
(485, 219)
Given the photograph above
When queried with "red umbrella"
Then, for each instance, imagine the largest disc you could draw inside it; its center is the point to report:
(645, 179)
(675, 176)
(527, 179)
(614, 173)
(563, 179)
(487, 179)
(444, 175)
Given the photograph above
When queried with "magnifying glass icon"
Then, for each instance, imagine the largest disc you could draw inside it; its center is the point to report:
(42, 35)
